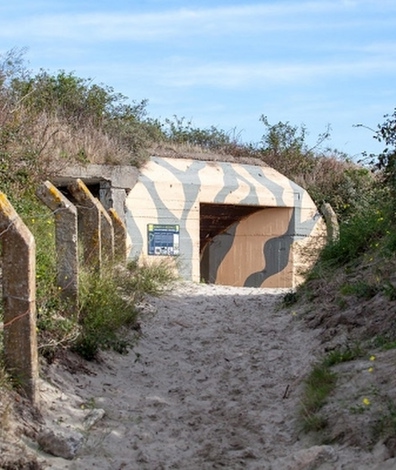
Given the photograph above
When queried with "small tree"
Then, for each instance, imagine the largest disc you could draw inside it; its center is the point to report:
(386, 160)
(182, 131)
(284, 148)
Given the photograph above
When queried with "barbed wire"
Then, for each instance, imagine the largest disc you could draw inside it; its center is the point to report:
(14, 319)
(9, 226)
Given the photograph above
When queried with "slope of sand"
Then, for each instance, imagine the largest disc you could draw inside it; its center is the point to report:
(213, 382)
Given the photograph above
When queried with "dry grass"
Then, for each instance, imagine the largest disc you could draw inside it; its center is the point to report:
(41, 145)
(56, 144)
(198, 153)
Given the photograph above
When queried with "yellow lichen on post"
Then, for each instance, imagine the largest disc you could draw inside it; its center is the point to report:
(6, 208)
(114, 215)
(54, 192)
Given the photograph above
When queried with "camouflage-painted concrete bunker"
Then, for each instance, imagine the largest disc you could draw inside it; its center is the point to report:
(224, 223)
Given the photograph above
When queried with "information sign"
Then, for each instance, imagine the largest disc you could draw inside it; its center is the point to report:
(163, 240)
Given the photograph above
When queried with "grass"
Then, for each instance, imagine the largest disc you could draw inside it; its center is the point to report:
(289, 299)
(342, 355)
(317, 387)
(319, 384)
(148, 278)
(361, 289)
(385, 341)
(385, 425)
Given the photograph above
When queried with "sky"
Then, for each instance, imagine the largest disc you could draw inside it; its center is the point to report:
(225, 63)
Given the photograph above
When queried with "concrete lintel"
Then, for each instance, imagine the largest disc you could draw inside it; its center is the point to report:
(121, 176)
(115, 182)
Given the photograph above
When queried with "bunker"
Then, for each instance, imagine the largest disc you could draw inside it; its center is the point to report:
(223, 223)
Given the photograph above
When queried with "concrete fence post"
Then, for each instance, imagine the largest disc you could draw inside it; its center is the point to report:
(107, 234)
(66, 240)
(120, 237)
(19, 299)
(94, 226)
(333, 229)
(88, 224)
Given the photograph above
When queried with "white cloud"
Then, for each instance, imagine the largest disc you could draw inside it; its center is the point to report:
(239, 75)
(314, 61)
(113, 26)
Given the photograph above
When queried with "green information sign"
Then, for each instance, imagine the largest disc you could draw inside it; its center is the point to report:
(163, 240)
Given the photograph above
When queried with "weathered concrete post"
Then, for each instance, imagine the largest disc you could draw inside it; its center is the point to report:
(107, 234)
(120, 237)
(88, 223)
(66, 240)
(19, 299)
(94, 226)
(333, 229)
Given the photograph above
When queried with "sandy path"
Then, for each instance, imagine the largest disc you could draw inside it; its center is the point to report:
(204, 388)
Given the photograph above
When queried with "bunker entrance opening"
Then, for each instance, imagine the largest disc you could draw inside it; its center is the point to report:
(215, 219)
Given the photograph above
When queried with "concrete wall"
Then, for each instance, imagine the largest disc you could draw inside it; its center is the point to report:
(265, 248)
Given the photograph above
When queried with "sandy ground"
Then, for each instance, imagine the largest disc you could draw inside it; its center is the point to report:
(213, 382)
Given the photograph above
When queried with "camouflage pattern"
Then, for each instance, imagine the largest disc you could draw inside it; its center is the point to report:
(266, 248)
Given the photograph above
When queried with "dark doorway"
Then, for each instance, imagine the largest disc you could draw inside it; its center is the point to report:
(214, 220)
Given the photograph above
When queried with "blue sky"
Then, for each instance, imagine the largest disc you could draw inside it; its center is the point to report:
(226, 63)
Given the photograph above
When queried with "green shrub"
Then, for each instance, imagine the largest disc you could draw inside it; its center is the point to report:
(348, 187)
(358, 235)
(107, 303)
(180, 131)
(103, 309)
